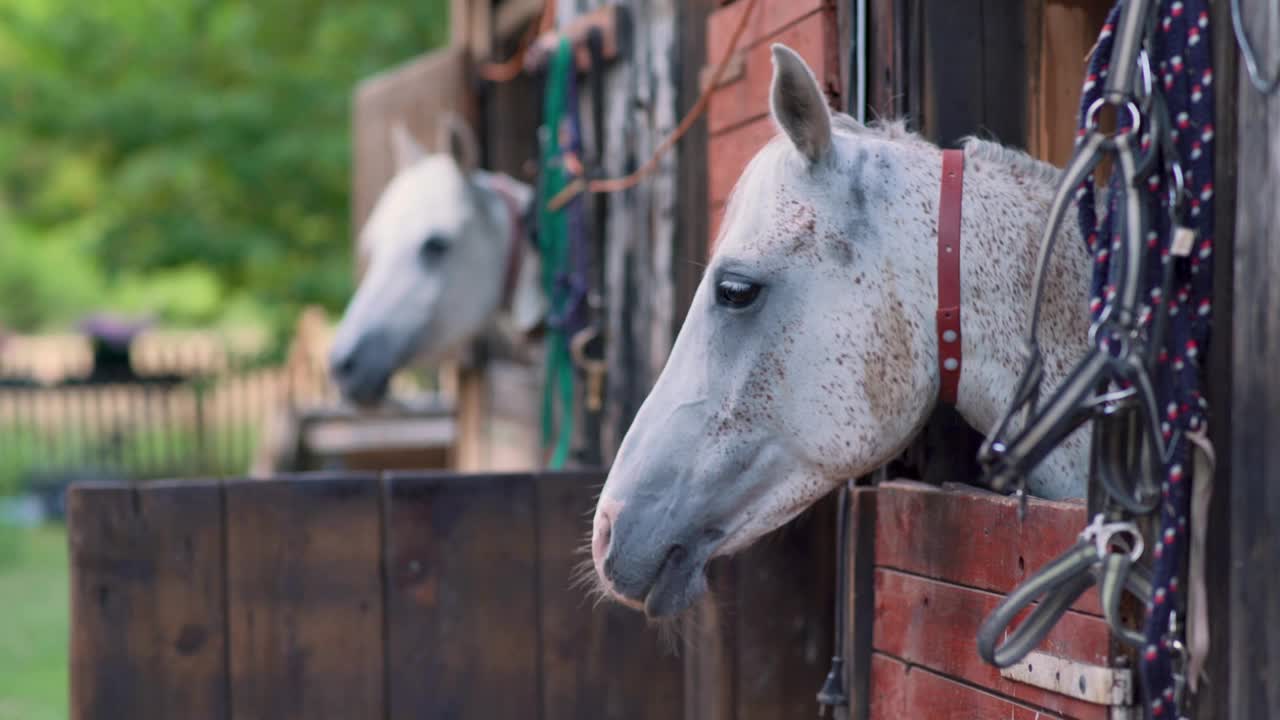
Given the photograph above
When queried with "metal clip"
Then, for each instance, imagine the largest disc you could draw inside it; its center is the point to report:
(1102, 534)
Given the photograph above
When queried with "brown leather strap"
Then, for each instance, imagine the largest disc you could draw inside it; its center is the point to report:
(949, 341)
(515, 254)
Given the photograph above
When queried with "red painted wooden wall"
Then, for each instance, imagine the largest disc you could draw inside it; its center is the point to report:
(942, 560)
(738, 122)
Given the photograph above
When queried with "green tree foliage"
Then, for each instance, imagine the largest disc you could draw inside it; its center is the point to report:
(189, 158)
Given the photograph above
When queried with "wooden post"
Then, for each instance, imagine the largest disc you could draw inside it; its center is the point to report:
(1254, 613)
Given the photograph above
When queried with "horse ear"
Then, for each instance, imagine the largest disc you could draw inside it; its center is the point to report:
(404, 147)
(798, 104)
(457, 139)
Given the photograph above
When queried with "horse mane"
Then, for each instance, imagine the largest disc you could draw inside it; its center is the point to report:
(975, 147)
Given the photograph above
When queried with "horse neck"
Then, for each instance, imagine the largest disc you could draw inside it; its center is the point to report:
(1005, 207)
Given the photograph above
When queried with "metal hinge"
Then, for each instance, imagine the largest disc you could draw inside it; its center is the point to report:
(1095, 684)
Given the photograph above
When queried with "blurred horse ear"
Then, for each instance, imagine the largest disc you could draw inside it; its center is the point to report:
(404, 148)
(799, 105)
(457, 139)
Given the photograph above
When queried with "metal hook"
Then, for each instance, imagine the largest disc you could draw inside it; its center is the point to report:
(1263, 84)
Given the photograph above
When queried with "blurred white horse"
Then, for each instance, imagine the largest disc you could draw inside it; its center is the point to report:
(810, 351)
(447, 259)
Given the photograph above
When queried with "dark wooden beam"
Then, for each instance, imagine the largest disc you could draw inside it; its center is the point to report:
(1253, 614)
(1212, 700)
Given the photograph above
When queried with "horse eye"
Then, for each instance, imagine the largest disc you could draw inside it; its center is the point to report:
(736, 293)
(433, 248)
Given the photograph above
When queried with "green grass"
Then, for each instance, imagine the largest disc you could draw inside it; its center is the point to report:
(33, 626)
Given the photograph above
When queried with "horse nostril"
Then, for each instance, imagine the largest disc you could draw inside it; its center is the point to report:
(344, 366)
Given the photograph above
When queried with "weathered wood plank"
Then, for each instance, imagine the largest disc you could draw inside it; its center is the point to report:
(461, 602)
(888, 689)
(304, 596)
(1212, 699)
(813, 37)
(934, 624)
(1067, 32)
(784, 615)
(710, 684)
(730, 151)
(595, 660)
(148, 620)
(860, 549)
(1004, 71)
(919, 528)
(770, 17)
(1254, 615)
(883, 60)
(928, 695)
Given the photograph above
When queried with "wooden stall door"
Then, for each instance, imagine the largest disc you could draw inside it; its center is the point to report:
(325, 597)
(928, 565)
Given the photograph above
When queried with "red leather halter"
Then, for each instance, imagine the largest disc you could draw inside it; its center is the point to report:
(949, 341)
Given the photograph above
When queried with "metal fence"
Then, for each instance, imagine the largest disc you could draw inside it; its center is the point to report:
(145, 428)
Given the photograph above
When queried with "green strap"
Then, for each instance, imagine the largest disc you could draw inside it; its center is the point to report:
(553, 238)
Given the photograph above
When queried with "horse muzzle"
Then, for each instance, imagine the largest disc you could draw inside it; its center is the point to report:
(643, 565)
(362, 370)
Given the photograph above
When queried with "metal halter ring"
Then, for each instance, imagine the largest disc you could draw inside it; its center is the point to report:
(1177, 188)
(1102, 534)
(1148, 83)
(1091, 116)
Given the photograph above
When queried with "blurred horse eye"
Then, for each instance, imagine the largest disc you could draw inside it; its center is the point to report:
(433, 248)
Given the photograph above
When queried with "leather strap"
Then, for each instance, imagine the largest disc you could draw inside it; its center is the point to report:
(515, 256)
(949, 340)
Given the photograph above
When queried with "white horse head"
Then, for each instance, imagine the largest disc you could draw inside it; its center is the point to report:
(809, 354)
(443, 246)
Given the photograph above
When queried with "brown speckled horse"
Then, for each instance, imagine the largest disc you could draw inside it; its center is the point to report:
(810, 354)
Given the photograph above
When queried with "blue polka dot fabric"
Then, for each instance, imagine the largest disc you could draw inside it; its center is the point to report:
(1182, 67)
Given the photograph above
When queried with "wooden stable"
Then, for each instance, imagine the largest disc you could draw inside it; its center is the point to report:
(362, 596)
(446, 595)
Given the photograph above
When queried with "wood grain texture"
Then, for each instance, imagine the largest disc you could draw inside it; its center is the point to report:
(304, 595)
(887, 693)
(1212, 699)
(860, 550)
(147, 602)
(1066, 33)
(601, 662)
(812, 36)
(710, 683)
(1254, 616)
(929, 695)
(730, 151)
(934, 624)
(461, 554)
(784, 616)
(970, 537)
(771, 16)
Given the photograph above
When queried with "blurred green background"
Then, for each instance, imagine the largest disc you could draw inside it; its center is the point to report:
(188, 160)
